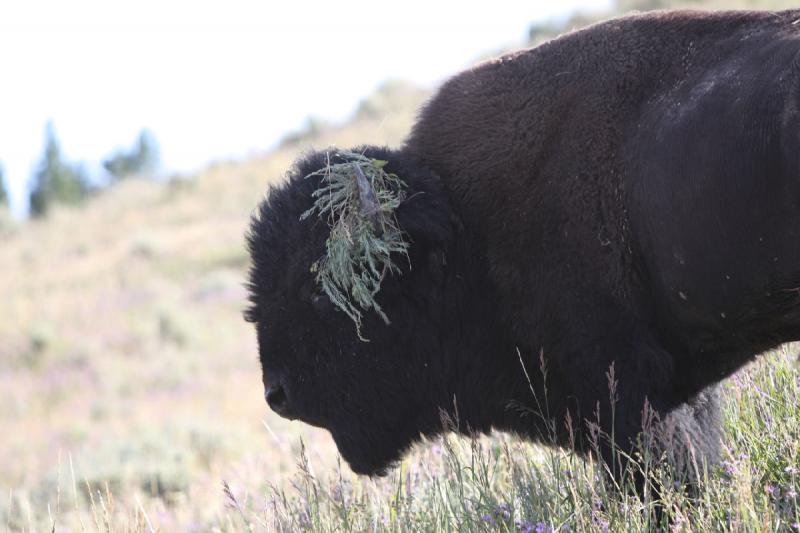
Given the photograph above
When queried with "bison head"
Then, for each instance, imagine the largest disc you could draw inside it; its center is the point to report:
(376, 397)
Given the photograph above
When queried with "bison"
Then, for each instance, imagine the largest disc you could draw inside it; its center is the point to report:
(603, 226)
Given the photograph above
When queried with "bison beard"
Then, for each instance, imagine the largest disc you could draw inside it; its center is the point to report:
(618, 206)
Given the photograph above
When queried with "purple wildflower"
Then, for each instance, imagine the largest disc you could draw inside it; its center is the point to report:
(524, 527)
(530, 527)
(729, 467)
(503, 510)
(602, 523)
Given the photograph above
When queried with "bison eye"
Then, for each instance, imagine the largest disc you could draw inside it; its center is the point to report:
(321, 303)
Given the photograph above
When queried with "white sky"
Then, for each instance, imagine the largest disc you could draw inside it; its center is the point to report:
(225, 78)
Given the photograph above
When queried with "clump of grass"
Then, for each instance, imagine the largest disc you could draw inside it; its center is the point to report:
(358, 199)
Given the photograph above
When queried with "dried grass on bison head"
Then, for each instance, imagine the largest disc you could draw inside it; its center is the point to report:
(358, 199)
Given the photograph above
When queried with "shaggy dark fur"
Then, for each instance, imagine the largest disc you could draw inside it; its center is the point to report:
(623, 200)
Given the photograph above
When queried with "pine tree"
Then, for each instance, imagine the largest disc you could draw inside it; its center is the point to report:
(4, 200)
(141, 159)
(55, 180)
(147, 152)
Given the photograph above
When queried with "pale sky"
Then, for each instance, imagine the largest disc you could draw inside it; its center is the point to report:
(221, 79)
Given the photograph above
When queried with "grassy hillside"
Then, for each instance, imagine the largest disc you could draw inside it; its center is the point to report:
(130, 393)
(123, 348)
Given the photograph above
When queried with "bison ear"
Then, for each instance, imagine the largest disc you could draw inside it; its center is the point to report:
(427, 219)
(424, 215)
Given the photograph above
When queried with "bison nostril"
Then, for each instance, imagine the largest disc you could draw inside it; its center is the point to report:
(276, 398)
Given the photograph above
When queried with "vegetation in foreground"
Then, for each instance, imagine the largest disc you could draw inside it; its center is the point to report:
(502, 484)
(494, 484)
